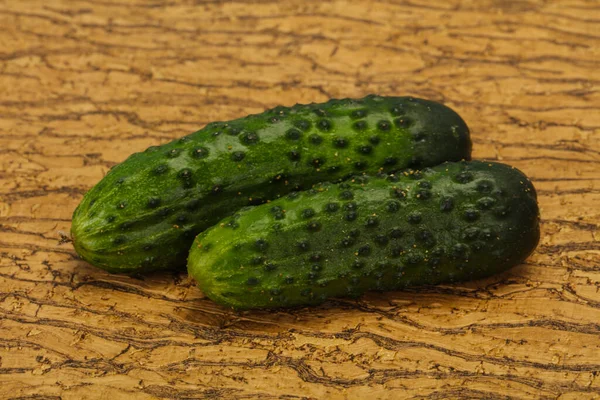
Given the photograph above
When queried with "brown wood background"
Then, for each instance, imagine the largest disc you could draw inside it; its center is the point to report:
(85, 83)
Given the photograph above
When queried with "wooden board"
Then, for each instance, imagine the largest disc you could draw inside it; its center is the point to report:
(86, 83)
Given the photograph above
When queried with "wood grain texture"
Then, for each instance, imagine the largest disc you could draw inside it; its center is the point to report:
(86, 83)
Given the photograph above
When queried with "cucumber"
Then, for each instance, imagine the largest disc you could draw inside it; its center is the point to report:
(146, 211)
(453, 222)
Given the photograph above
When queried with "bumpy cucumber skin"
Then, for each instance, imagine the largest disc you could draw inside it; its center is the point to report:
(453, 222)
(146, 212)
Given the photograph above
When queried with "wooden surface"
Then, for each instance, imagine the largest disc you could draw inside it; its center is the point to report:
(86, 83)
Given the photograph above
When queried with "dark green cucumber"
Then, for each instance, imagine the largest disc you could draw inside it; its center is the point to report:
(146, 212)
(453, 222)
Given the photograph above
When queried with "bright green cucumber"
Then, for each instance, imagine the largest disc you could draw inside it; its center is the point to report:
(146, 212)
(453, 222)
